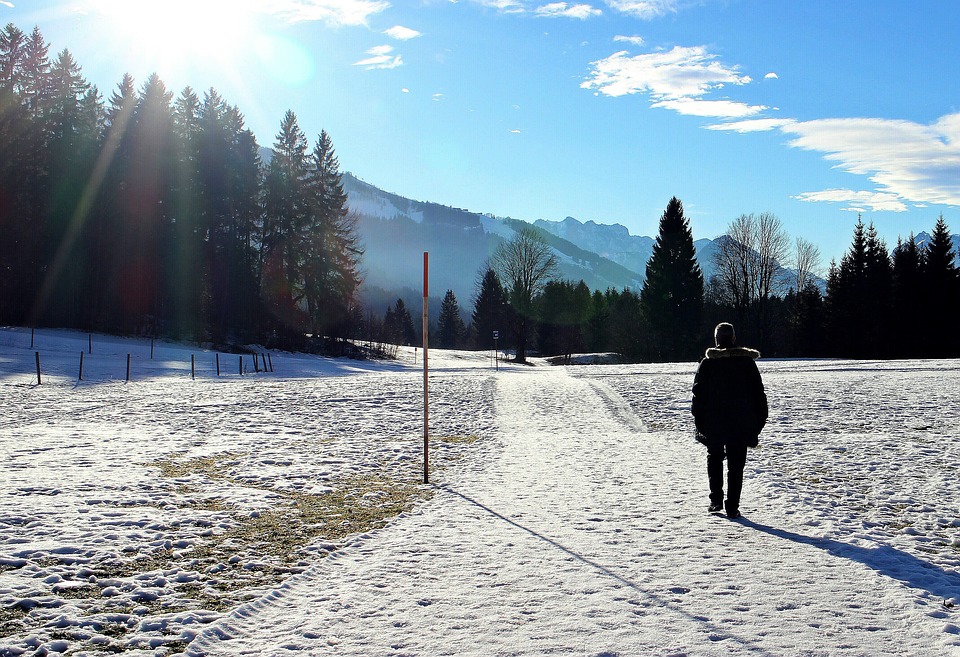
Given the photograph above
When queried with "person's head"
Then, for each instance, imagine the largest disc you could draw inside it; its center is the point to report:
(724, 335)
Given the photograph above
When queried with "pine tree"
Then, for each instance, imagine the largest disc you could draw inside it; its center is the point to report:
(941, 293)
(451, 327)
(907, 299)
(18, 235)
(398, 325)
(858, 294)
(331, 266)
(878, 291)
(490, 310)
(597, 328)
(672, 295)
(73, 134)
(286, 211)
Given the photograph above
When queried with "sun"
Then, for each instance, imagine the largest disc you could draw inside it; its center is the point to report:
(173, 35)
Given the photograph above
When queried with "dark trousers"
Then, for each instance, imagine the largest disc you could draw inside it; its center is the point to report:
(736, 458)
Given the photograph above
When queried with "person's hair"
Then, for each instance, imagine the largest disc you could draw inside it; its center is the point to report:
(724, 335)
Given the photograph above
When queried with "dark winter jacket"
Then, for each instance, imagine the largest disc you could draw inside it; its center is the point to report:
(729, 404)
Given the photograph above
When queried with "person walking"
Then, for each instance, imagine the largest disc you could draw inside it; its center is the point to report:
(729, 409)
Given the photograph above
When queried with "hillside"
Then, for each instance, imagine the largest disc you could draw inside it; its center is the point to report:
(396, 231)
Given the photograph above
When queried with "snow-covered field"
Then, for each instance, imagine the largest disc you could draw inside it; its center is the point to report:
(242, 515)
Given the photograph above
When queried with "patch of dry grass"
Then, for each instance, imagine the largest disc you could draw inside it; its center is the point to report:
(457, 440)
(268, 545)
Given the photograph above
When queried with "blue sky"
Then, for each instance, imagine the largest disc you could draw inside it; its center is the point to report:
(601, 110)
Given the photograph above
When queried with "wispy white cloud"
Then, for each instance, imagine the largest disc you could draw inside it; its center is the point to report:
(381, 57)
(505, 6)
(6, 4)
(751, 125)
(710, 108)
(334, 12)
(771, 76)
(676, 79)
(910, 161)
(863, 200)
(644, 9)
(437, 97)
(564, 10)
(401, 33)
(635, 40)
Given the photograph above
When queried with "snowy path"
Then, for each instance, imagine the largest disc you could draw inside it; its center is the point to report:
(580, 533)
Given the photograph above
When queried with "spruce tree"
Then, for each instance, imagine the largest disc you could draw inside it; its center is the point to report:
(451, 327)
(331, 265)
(859, 295)
(672, 295)
(941, 293)
(907, 299)
(399, 325)
(286, 208)
(490, 310)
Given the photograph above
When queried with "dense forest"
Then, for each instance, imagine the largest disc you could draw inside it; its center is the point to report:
(149, 214)
(153, 214)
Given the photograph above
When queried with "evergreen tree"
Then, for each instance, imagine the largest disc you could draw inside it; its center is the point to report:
(286, 212)
(879, 291)
(858, 294)
(563, 311)
(225, 214)
(941, 293)
(451, 328)
(73, 137)
(331, 266)
(627, 324)
(398, 325)
(597, 326)
(907, 299)
(18, 241)
(111, 235)
(672, 295)
(490, 310)
(808, 322)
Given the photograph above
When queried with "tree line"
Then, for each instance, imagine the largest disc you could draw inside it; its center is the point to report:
(149, 214)
(877, 303)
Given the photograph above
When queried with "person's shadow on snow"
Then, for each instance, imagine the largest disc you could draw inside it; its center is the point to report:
(894, 563)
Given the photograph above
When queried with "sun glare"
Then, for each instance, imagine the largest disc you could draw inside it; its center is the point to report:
(177, 34)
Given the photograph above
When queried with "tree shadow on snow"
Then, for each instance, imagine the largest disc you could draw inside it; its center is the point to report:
(891, 562)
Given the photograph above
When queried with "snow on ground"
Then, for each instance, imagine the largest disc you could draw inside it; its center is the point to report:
(575, 524)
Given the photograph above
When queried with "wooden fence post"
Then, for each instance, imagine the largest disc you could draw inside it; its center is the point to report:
(90, 342)
(80, 378)
(271, 361)
(38, 368)
(256, 363)
(218, 364)
(128, 367)
(241, 365)
(193, 367)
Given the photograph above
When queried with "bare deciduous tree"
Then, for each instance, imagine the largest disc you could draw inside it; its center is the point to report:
(524, 264)
(748, 263)
(806, 263)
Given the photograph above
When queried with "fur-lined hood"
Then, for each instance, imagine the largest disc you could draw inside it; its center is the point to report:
(732, 352)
